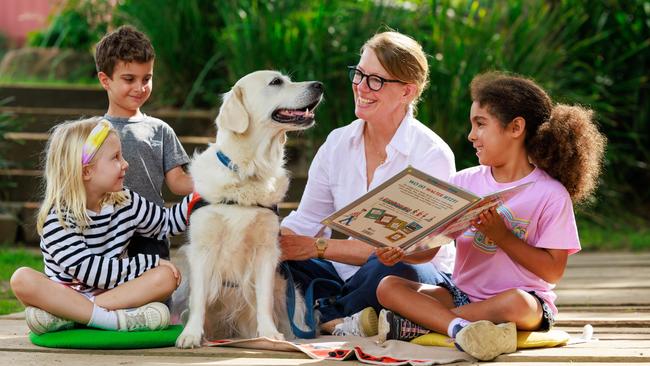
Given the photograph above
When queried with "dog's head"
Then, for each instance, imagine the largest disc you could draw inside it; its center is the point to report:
(269, 99)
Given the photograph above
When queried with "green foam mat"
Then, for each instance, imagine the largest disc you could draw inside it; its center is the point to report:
(88, 338)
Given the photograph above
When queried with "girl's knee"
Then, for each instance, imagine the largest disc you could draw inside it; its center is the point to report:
(519, 305)
(22, 282)
(164, 279)
(386, 289)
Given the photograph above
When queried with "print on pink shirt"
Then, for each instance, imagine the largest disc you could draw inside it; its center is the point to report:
(517, 226)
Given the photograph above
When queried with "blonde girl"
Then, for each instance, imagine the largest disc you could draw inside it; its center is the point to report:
(85, 222)
(508, 263)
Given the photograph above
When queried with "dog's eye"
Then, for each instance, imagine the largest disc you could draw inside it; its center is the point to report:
(276, 81)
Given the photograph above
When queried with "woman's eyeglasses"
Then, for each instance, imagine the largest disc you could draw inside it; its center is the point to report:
(374, 82)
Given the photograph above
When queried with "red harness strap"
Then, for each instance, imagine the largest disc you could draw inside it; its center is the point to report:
(196, 203)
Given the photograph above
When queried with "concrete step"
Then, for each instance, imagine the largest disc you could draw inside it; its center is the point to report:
(25, 149)
(42, 119)
(25, 185)
(54, 96)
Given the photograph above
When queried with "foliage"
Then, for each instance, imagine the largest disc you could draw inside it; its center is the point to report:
(582, 52)
(602, 230)
(77, 24)
(4, 45)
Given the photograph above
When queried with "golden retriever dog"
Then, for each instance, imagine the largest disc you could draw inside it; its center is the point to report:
(235, 289)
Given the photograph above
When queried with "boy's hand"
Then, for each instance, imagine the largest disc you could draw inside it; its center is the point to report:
(389, 256)
(490, 223)
(175, 271)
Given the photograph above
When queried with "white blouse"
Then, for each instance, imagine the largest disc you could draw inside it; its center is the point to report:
(337, 176)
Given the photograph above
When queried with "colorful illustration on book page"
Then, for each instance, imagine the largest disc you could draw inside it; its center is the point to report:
(400, 212)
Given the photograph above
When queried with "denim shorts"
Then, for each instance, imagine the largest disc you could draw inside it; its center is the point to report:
(461, 298)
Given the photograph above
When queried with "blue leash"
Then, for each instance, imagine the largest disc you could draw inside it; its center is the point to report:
(310, 320)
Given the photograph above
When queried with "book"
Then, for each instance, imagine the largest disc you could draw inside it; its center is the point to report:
(414, 211)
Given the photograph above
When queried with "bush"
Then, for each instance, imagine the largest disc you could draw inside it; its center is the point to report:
(582, 52)
(77, 24)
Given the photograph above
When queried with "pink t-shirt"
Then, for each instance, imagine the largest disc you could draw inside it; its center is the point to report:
(541, 215)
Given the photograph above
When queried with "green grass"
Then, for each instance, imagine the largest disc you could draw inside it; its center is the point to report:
(10, 259)
(613, 233)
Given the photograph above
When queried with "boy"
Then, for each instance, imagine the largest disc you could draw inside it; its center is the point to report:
(124, 59)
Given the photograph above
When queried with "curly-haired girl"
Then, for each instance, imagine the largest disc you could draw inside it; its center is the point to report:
(86, 221)
(508, 263)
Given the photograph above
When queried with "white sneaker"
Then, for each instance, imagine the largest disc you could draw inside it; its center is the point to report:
(362, 324)
(484, 340)
(40, 321)
(152, 316)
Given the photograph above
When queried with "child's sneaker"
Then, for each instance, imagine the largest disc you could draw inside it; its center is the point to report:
(363, 324)
(393, 326)
(40, 321)
(484, 340)
(152, 316)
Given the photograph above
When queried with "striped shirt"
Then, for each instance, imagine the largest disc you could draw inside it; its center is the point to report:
(96, 257)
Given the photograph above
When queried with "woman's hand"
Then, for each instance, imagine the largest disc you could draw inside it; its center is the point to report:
(390, 256)
(297, 247)
(175, 271)
(490, 223)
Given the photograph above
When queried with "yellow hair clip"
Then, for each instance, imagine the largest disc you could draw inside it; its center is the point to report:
(95, 141)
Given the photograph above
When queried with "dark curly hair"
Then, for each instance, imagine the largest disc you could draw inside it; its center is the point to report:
(562, 140)
(125, 44)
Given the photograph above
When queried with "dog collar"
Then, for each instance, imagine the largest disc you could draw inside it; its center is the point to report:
(225, 160)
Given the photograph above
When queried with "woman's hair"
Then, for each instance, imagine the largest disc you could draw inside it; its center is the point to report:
(402, 57)
(562, 140)
(65, 193)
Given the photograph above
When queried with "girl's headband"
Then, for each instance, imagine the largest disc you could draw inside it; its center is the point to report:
(95, 141)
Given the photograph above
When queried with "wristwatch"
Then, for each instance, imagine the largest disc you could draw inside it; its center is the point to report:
(321, 245)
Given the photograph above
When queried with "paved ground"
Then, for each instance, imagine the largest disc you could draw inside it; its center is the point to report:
(609, 291)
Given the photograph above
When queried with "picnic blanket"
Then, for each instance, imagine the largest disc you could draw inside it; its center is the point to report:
(366, 350)
(430, 349)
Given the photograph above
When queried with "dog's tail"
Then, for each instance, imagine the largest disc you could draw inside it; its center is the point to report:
(181, 296)
(281, 312)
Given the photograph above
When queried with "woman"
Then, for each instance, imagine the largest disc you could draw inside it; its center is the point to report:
(387, 83)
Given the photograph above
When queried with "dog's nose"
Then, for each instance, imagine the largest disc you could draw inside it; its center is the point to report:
(317, 85)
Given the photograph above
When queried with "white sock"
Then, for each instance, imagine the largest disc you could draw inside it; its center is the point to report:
(103, 319)
(455, 326)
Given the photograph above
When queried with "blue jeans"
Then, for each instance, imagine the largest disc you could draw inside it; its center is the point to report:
(360, 290)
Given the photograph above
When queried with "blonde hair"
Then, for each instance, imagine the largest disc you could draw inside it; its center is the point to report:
(402, 57)
(64, 188)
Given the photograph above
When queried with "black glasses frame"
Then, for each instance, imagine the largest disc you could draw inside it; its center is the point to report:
(353, 71)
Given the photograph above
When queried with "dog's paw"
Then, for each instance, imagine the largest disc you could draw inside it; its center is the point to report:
(189, 339)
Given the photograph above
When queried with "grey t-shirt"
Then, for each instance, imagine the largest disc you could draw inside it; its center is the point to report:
(151, 148)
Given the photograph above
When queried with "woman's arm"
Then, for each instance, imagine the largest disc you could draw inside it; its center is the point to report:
(299, 247)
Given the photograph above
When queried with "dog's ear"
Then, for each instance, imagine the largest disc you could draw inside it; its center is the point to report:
(233, 115)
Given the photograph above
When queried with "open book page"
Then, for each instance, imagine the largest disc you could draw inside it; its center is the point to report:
(459, 224)
(401, 211)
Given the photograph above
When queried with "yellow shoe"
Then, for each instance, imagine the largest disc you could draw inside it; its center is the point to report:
(361, 324)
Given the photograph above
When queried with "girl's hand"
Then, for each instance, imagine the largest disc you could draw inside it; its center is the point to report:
(175, 271)
(490, 223)
(389, 256)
